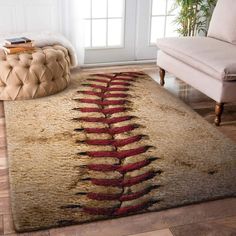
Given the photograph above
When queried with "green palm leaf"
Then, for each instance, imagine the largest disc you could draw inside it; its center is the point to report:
(194, 16)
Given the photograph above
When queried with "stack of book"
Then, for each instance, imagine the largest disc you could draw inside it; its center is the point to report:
(18, 45)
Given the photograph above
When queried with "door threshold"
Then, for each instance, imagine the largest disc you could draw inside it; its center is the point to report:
(120, 63)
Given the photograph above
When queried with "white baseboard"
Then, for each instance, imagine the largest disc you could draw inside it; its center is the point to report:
(121, 63)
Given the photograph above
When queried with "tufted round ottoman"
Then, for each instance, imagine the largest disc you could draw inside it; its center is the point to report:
(41, 73)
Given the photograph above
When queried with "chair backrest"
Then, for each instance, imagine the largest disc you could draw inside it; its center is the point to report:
(223, 22)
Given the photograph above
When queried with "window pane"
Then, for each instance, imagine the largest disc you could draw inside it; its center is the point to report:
(87, 9)
(99, 33)
(171, 27)
(171, 7)
(115, 32)
(99, 8)
(158, 28)
(87, 39)
(115, 8)
(159, 7)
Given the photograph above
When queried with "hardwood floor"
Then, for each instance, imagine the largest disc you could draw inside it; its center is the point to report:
(215, 218)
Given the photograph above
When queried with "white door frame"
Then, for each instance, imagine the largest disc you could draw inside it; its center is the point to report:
(144, 50)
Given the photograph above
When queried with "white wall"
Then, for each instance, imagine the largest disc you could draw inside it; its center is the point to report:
(30, 15)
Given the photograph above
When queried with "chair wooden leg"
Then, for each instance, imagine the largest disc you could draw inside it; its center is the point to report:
(162, 73)
(219, 108)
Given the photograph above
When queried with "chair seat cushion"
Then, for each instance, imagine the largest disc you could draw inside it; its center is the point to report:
(211, 56)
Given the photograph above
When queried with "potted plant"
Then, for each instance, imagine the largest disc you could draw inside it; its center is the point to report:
(194, 16)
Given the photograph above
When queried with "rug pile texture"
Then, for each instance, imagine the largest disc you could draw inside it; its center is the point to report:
(111, 145)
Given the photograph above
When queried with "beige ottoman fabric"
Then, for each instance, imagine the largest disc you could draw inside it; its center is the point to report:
(32, 75)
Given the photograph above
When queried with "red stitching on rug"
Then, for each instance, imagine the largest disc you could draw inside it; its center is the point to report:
(114, 81)
(98, 94)
(122, 169)
(104, 196)
(105, 120)
(120, 196)
(126, 141)
(133, 166)
(107, 111)
(103, 88)
(123, 182)
(123, 81)
(112, 131)
(132, 196)
(106, 89)
(122, 76)
(102, 103)
(120, 83)
(116, 143)
(102, 167)
(116, 95)
(117, 89)
(131, 209)
(118, 154)
(102, 95)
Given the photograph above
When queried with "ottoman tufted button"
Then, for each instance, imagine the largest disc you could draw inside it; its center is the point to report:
(20, 83)
(2, 84)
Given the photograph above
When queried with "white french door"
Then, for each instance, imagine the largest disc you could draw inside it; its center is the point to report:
(155, 19)
(125, 30)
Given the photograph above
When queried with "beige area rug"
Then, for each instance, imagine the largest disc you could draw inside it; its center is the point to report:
(111, 145)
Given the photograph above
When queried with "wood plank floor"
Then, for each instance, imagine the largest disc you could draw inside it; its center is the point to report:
(215, 218)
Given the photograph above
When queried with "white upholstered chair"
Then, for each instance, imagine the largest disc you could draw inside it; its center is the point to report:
(206, 63)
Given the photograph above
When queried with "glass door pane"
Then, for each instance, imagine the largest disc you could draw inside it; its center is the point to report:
(105, 19)
(99, 8)
(115, 32)
(116, 8)
(99, 31)
(157, 28)
(162, 20)
(159, 7)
